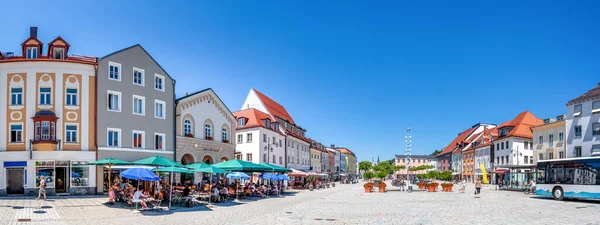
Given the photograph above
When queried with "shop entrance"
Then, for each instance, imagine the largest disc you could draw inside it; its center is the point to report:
(62, 180)
(15, 178)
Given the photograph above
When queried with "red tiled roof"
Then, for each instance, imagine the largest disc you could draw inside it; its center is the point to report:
(346, 151)
(254, 118)
(274, 108)
(592, 93)
(296, 135)
(522, 125)
(461, 137)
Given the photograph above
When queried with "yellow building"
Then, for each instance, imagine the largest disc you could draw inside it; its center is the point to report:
(351, 169)
(49, 119)
(549, 139)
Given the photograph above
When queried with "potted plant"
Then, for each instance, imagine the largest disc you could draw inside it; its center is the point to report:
(447, 187)
(432, 187)
(225, 141)
(381, 175)
(368, 187)
(189, 135)
(208, 138)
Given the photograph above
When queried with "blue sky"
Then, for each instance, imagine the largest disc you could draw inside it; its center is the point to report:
(351, 73)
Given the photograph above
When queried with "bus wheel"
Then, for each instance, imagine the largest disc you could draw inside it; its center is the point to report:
(558, 194)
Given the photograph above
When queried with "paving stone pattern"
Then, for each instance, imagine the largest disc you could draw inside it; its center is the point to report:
(344, 204)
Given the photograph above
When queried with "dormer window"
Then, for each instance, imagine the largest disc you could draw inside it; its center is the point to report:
(32, 52)
(241, 122)
(267, 123)
(276, 126)
(58, 53)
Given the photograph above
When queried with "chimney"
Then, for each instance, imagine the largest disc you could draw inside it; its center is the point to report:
(33, 32)
(332, 146)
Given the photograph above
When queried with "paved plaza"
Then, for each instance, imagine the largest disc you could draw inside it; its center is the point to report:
(344, 204)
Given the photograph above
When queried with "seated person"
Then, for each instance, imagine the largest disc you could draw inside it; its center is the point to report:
(275, 189)
(138, 195)
(186, 191)
(224, 192)
(215, 194)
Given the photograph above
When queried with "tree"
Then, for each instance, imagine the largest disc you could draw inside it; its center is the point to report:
(381, 174)
(365, 165)
(369, 175)
(436, 152)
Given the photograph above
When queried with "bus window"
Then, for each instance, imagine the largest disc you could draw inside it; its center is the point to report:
(541, 175)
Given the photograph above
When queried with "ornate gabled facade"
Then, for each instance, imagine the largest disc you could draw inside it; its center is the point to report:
(49, 119)
(205, 129)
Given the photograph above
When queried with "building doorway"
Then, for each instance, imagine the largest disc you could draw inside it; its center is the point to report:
(15, 180)
(62, 180)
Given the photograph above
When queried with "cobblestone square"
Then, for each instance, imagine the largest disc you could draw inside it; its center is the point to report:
(344, 204)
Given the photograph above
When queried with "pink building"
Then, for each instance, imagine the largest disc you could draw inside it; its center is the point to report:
(415, 160)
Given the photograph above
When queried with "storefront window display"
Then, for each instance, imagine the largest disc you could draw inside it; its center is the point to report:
(46, 169)
(80, 174)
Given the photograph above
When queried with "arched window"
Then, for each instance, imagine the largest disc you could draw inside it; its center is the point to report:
(187, 128)
(207, 133)
(224, 134)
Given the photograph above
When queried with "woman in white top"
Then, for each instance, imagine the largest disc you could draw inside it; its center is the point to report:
(215, 193)
(139, 196)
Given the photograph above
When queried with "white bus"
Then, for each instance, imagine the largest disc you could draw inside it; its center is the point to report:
(575, 178)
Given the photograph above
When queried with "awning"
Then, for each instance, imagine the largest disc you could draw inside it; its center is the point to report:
(124, 167)
(297, 173)
(499, 171)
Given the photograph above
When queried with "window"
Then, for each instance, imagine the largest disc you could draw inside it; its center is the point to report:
(595, 129)
(138, 105)
(274, 159)
(207, 131)
(138, 76)
(240, 138)
(497, 160)
(159, 141)
(265, 158)
(561, 137)
(249, 157)
(159, 81)
(32, 52)
(224, 134)
(577, 151)
(187, 128)
(596, 106)
(577, 111)
(45, 131)
(265, 138)
(58, 53)
(45, 96)
(276, 127)
(280, 142)
(550, 139)
(541, 156)
(83, 171)
(71, 132)
(249, 138)
(526, 145)
(16, 133)
(578, 131)
(280, 160)
(550, 155)
(138, 139)
(531, 145)
(268, 123)
(114, 71)
(114, 137)
(507, 145)
(71, 97)
(595, 149)
(159, 109)
(241, 122)
(16, 96)
(114, 101)
(561, 155)
(502, 145)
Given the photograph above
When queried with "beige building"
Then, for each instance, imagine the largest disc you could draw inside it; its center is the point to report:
(350, 158)
(549, 139)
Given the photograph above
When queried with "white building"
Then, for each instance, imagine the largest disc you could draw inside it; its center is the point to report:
(296, 145)
(583, 124)
(514, 146)
(484, 152)
(258, 138)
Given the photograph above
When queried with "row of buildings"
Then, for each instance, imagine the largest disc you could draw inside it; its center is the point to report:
(509, 151)
(63, 110)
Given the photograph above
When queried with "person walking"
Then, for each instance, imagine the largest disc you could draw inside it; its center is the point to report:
(463, 185)
(42, 188)
(477, 188)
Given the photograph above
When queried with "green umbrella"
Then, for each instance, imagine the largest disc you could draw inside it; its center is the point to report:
(275, 168)
(196, 165)
(172, 169)
(209, 169)
(242, 166)
(157, 161)
(109, 162)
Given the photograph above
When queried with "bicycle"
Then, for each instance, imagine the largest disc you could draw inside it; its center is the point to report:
(528, 190)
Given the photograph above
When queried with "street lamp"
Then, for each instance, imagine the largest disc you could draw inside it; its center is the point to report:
(268, 149)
